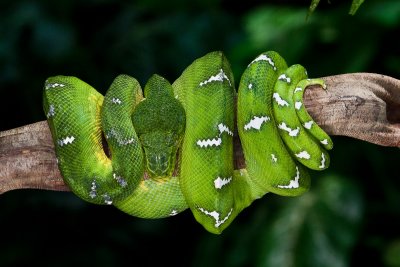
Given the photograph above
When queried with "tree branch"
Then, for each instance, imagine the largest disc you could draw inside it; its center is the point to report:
(364, 106)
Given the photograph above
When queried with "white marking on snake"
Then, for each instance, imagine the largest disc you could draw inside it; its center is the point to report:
(298, 105)
(324, 142)
(125, 142)
(303, 155)
(67, 140)
(116, 101)
(274, 158)
(250, 86)
(217, 140)
(279, 100)
(220, 182)
(122, 142)
(308, 125)
(120, 180)
(322, 161)
(107, 199)
(173, 213)
(264, 58)
(256, 122)
(93, 188)
(54, 85)
(215, 215)
(293, 183)
(292, 132)
(209, 142)
(223, 128)
(284, 78)
(220, 77)
(298, 89)
(51, 112)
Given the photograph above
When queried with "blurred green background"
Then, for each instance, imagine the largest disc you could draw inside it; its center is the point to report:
(350, 216)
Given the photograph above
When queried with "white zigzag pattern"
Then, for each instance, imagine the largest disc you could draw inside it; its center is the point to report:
(298, 105)
(308, 125)
(284, 78)
(223, 128)
(279, 100)
(217, 78)
(265, 58)
(215, 215)
(291, 132)
(322, 161)
(116, 101)
(256, 122)
(303, 155)
(51, 112)
(324, 142)
(293, 183)
(220, 182)
(209, 142)
(217, 140)
(67, 140)
(53, 85)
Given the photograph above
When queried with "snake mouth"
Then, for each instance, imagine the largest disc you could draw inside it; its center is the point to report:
(160, 151)
(160, 162)
(157, 164)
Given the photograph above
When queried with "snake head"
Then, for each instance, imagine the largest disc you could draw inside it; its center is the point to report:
(159, 121)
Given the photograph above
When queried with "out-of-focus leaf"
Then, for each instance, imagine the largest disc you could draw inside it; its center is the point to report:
(354, 6)
(276, 28)
(268, 24)
(313, 6)
(392, 254)
(317, 229)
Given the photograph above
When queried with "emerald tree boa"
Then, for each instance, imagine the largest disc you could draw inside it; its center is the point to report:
(172, 148)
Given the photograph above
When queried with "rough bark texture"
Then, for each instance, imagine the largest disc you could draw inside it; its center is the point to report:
(364, 106)
(28, 160)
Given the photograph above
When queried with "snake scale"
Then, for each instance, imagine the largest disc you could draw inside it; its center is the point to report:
(170, 147)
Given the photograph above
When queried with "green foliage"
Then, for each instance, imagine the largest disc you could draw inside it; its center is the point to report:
(97, 40)
(313, 6)
(316, 229)
(354, 6)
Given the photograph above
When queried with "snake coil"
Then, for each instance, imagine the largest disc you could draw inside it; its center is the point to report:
(173, 149)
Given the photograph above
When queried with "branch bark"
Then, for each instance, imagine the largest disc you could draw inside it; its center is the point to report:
(364, 106)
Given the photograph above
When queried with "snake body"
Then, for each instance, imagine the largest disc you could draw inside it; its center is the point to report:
(173, 148)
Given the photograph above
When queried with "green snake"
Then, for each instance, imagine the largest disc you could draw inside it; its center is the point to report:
(170, 147)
